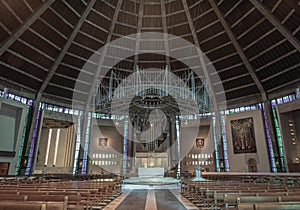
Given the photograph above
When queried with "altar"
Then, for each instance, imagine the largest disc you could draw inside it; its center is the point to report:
(151, 172)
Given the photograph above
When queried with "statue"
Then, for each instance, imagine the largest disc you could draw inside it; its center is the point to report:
(198, 174)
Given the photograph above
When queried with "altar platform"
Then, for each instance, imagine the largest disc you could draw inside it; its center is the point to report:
(151, 181)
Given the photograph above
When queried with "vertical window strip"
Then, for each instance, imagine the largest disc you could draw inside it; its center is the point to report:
(125, 146)
(22, 142)
(56, 146)
(178, 147)
(86, 144)
(279, 138)
(33, 140)
(78, 140)
(269, 140)
(225, 149)
(48, 147)
(218, 169)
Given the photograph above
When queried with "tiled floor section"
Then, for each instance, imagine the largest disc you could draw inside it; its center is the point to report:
(187, 204)
(135, 200)
(165, 200)
(151, 198)
(117, 201)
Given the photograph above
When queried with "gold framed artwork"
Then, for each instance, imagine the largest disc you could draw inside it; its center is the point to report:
(199, 142)
(103, 142)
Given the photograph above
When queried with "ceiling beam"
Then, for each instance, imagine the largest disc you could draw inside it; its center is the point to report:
(5, 28)
(201, 56)
(25, 26)
(15, 86)
(38, 51)
(165, 31)
(176, 25)
(28, 6)
(96, 26)
(233, 8)
(251, 28)
(238, 48)
(103, 54)
(276, 5)
(202, 14)
(259, 39)
(175, 13)
(66, 47)
(212, 37)
(207, 26)
(126, 25)
(267, 50)
(233, 78)
(27, 60)
(44, 39)
(71, 8)
(243, 17)
(243, 101)
(59, 15)
(283, 71)
(287, 84)
(53, 28)
(12, 11)
(236, 88)
(224, 57)
(277, 24)
(138, 31)
(276, 60)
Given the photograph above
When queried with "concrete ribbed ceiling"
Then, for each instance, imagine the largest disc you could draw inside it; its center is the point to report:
(253, 44)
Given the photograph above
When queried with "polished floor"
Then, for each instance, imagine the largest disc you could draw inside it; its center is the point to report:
(162, 197)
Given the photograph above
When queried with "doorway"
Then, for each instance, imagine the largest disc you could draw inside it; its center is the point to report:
(252, 165)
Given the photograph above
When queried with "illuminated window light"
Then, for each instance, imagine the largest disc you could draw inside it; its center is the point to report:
(56, 146)
(48, 146)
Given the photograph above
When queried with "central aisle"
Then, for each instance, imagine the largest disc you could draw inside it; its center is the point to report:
(147, 197)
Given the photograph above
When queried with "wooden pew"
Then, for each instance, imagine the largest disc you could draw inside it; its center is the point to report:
(70, 201)
(22, 206)
(270, 206)
(91, 192)
(27, 205)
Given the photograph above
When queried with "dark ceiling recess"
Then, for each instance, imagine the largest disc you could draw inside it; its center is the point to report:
(45, 44)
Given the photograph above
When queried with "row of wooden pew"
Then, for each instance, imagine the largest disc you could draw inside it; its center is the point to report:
(236, 194)
(58, 195)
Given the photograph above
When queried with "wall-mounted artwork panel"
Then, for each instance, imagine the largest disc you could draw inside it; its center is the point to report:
(243, 136)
